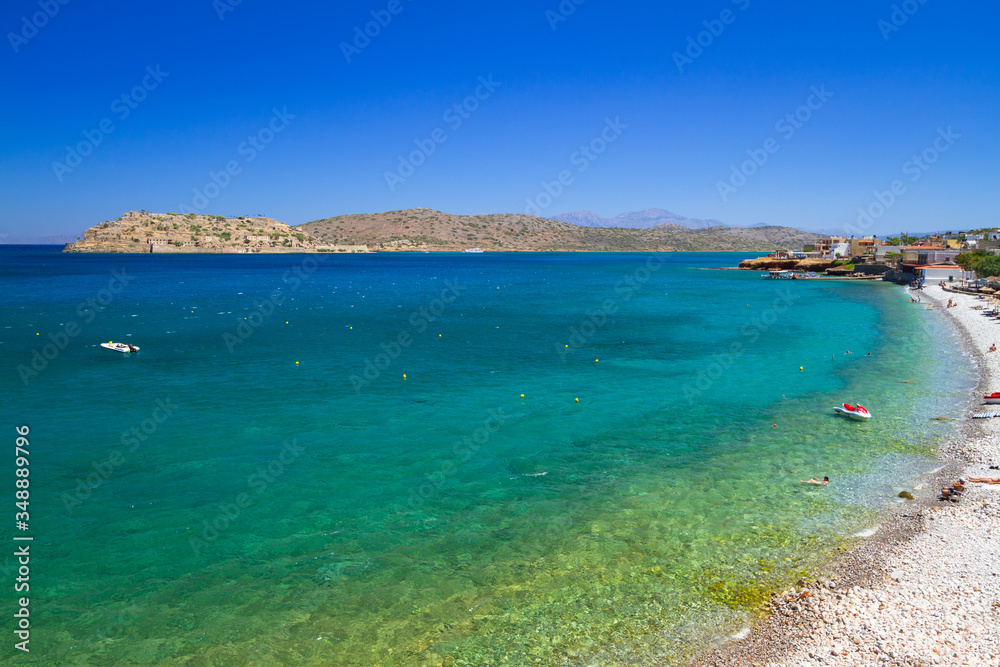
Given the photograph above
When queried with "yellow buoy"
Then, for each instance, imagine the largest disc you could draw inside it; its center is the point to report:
(522, 395)
(800, 368)
(577, 400)
(439, 335)
(286, 322)
(296, 363)
(404, 376)
(597, 361)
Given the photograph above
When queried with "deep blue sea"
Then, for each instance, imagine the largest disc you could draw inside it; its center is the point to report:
(444, 459)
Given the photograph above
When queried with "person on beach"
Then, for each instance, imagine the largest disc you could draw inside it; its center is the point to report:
(985, 480)
(992, 348)
(821, 482)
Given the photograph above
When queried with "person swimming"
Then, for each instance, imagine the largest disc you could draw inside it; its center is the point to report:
(820, 482)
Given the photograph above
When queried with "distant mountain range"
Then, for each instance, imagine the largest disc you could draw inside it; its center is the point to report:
(651, 217)
(635, 220)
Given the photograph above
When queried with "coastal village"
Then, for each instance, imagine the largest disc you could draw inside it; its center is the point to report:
(950, 258)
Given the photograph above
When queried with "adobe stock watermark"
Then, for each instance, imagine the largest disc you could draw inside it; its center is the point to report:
(901, 13)
(462, 451)
(262, 310)
(122, 107)
(787, 125)
(714, 28)
(914, 168)
(106, 467)
(248, 150)
(31, 25)
(381, 18)
(86, 311)
(455, 116)
(562, 13)
(419, 321)
(753, 329)
(594, 321)
(223, 7)
(581, 158)
(227, 513)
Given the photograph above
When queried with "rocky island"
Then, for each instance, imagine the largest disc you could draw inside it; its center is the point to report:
(145, 232)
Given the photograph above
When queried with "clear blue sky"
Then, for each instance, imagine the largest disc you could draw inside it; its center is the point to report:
(687, 126)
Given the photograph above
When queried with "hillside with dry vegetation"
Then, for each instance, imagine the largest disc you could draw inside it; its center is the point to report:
(426, 229)
(142, 231)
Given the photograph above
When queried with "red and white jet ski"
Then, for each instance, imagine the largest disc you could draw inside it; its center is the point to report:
(853, 411)
(993, 398)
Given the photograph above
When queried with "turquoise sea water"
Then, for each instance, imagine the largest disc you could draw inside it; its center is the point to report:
(274, 491)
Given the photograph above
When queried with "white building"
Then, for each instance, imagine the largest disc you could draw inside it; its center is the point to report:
(948, 272)
(842, 249)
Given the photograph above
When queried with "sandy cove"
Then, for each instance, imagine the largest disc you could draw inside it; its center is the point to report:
(925, 589)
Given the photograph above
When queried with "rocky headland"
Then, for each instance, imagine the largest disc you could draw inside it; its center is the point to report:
(427, 229)
(773, 264)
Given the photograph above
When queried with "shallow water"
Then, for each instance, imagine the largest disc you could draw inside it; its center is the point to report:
(330, 511)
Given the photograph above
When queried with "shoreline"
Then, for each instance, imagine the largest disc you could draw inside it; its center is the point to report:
(924, 589)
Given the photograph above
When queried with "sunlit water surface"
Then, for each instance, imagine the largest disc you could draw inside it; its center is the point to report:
(273, 491)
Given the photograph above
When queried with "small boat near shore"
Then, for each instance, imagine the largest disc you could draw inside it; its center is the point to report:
(858, 412)
(124, 348)
(992, 399)
(784, 274)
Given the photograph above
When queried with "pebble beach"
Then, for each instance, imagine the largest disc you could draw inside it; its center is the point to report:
(925, 588)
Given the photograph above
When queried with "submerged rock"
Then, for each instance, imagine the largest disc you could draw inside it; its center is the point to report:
(906, 494)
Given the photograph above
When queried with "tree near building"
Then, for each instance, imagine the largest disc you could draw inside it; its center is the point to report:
(984, 263)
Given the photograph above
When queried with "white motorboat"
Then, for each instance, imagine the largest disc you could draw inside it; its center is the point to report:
(475, 250)
(779, 274)
(125, 348)
(853, 411)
